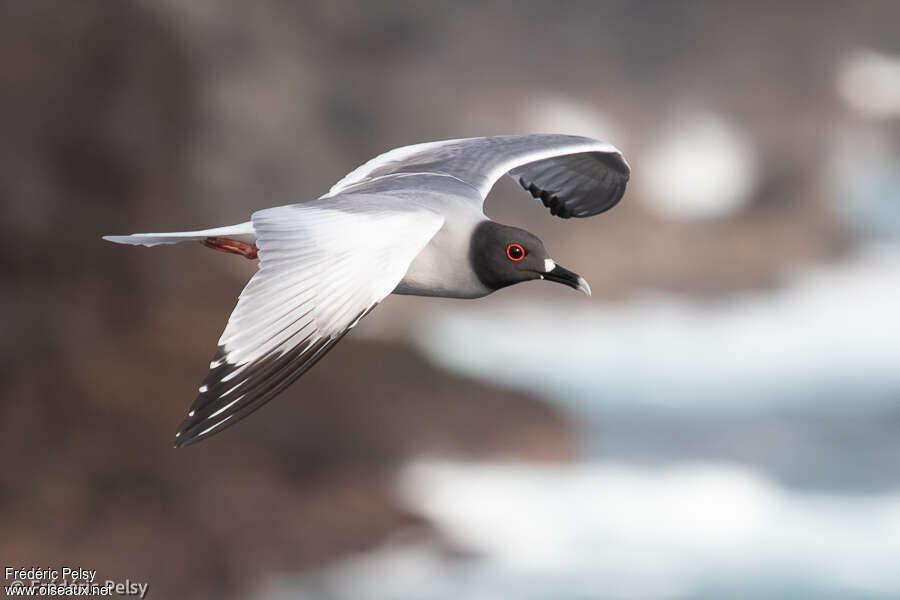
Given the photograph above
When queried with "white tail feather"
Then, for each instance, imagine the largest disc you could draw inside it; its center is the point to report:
(242, 231)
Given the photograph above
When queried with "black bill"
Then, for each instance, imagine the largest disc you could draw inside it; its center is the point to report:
(567, 277)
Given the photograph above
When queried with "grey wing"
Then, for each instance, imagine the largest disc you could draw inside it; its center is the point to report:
(573, 176)
(321, 270)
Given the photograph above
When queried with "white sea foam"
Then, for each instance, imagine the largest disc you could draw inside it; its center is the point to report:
(646, 533)
(600, 530)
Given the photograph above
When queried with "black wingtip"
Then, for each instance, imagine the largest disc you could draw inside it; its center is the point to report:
(264, 378)
(184, 437)
(181, 440)
(190, 430)
(183, 443)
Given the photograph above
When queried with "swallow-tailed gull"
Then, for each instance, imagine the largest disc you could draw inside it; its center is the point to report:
(409, 221)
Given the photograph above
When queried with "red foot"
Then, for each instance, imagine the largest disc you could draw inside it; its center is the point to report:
(232, 246)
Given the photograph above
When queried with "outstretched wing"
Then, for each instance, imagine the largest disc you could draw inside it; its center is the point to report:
(573, 176)
(321, 270)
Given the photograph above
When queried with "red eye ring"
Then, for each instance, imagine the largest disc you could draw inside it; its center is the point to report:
(515, 252)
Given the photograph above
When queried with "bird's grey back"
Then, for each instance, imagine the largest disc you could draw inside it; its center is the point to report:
(442, 268)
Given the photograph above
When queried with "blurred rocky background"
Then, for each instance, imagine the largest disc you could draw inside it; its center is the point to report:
(764, 140)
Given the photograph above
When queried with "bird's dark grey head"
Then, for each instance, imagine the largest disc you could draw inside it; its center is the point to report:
(503, 255)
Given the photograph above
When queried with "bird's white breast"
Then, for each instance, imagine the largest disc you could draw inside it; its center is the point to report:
(443, 267)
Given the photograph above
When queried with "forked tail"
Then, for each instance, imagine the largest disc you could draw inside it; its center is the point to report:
(237, 239)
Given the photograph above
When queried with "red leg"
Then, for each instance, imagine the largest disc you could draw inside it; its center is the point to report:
(232, 246)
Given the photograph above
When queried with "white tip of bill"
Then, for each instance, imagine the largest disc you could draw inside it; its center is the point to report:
(583, 286)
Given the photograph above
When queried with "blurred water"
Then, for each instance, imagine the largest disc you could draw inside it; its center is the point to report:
(745, 447)
(827, 344)
(801, 383)
(601, 529)
(608, 530)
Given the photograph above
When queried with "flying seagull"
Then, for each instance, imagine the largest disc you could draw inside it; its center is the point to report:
(409, 221)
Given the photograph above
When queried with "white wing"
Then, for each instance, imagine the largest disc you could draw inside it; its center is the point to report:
(573, 176)
(321, 270)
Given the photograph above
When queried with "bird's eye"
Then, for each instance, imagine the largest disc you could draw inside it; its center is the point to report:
(515, 252)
